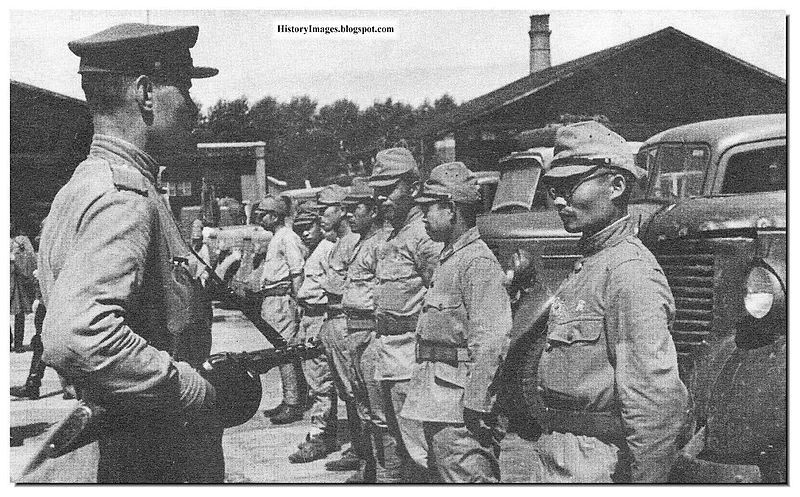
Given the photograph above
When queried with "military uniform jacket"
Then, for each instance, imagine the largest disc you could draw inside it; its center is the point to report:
(316, 267)
(359, 285)
(466, 307)
(338, 260)
(121, 302)
(404, 270)
(609, 347)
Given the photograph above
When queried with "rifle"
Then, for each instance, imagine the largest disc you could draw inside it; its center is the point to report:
(235, 377)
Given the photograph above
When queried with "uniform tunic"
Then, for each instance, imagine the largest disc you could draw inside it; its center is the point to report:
(609, 350)
(466, 307)
(122, 307)
(405, 267)
(284, 260)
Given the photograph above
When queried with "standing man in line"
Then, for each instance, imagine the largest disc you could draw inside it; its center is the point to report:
(403, 273)
(321, 440)
(358, 301)
(462, 335)
(281, 278)
(613, 405)
(126, 320)
(334, 331)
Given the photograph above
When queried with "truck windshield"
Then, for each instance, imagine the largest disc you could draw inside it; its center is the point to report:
(519, 190)
(675, 169)
(762, 170)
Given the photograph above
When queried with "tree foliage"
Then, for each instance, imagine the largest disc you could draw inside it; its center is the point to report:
(305, 141)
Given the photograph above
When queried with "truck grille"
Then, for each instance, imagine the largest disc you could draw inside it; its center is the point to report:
(689, 268)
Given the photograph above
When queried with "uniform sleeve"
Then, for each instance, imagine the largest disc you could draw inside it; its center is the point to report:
(426, 256)
(653, 399)
(489, 329)
(293, 251)
(85, 335)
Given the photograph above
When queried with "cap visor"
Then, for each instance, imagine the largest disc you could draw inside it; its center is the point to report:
(203, 72)
(427, 200)
(382, 182)
(567, 171)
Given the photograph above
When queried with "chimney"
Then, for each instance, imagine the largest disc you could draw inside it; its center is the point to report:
(540, 42)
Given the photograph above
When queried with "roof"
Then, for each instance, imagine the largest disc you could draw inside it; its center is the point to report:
(51, 94)
(537, 81)
(741, 129)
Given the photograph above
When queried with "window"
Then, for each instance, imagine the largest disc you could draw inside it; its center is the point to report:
(516, 190)
(760, 170)
(178, 188)
(676, 170)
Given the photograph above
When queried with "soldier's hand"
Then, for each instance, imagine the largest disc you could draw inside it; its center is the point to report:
(481, 425)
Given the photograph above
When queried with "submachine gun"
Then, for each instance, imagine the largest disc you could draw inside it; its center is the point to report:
(234, 375)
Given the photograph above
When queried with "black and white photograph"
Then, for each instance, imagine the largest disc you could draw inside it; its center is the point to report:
(427, 245)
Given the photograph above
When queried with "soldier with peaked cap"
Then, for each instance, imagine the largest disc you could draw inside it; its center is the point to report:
(281, 278)
(315, 301)
(612, 403)
(358, 302)
(403, 273)
(462, 335)
(126, 320)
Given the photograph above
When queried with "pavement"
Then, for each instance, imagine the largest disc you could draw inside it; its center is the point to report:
(255, 452)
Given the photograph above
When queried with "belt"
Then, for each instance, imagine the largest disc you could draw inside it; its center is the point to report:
(562, 414)
(395, 325)
(313, 310)
(440, 352)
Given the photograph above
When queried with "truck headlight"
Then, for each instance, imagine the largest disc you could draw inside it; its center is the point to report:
(760, 291)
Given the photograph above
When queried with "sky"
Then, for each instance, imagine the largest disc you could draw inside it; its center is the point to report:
(464, 53)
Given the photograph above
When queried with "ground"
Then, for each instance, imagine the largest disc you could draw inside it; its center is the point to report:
(255, 452)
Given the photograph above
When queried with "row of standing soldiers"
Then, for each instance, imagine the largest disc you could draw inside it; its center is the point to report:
(413, 336)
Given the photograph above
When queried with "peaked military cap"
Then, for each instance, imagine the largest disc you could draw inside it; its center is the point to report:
(137, 49)
(359, 192)
(390, 165)
(274, 204)
(582, 147)
(450, 181)
(332, 195)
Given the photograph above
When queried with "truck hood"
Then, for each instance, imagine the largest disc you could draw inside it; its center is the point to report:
(521, 225)
(692, 217)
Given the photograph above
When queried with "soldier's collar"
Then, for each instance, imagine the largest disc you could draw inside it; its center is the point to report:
(465, 239)
(129, 152)
(606, 237)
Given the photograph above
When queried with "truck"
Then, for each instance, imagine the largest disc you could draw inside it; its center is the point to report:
(713, 212)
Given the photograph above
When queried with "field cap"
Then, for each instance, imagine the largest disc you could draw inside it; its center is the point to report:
(272, 204)
(136, 49)
(582, 147)
(451, 181)
(332, 195)
(360, 192)
(390, 165)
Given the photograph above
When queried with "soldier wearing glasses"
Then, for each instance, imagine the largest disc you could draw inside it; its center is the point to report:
(462, 335)
(612, 402)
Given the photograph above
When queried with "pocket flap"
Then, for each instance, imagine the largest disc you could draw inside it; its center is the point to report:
(454, 375)
(577, 330)
(442, 301)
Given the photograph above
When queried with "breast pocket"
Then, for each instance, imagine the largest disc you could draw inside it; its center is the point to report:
(575, 332)
(444, 317)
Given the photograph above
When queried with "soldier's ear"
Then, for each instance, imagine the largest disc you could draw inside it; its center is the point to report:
(144, 97)
(618, 185)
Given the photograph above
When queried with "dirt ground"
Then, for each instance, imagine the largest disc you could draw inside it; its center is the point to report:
(255, 452)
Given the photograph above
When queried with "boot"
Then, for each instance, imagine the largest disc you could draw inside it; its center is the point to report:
(348, 462)
(287, 414)
(316, 447)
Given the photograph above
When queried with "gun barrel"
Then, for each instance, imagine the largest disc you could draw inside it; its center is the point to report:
(261, 361)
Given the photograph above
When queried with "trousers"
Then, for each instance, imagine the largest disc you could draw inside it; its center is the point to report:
(320, 381)
(458, 457)
(401, 451)
(570, 458)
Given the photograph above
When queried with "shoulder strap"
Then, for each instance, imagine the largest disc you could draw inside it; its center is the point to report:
(127, 178)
